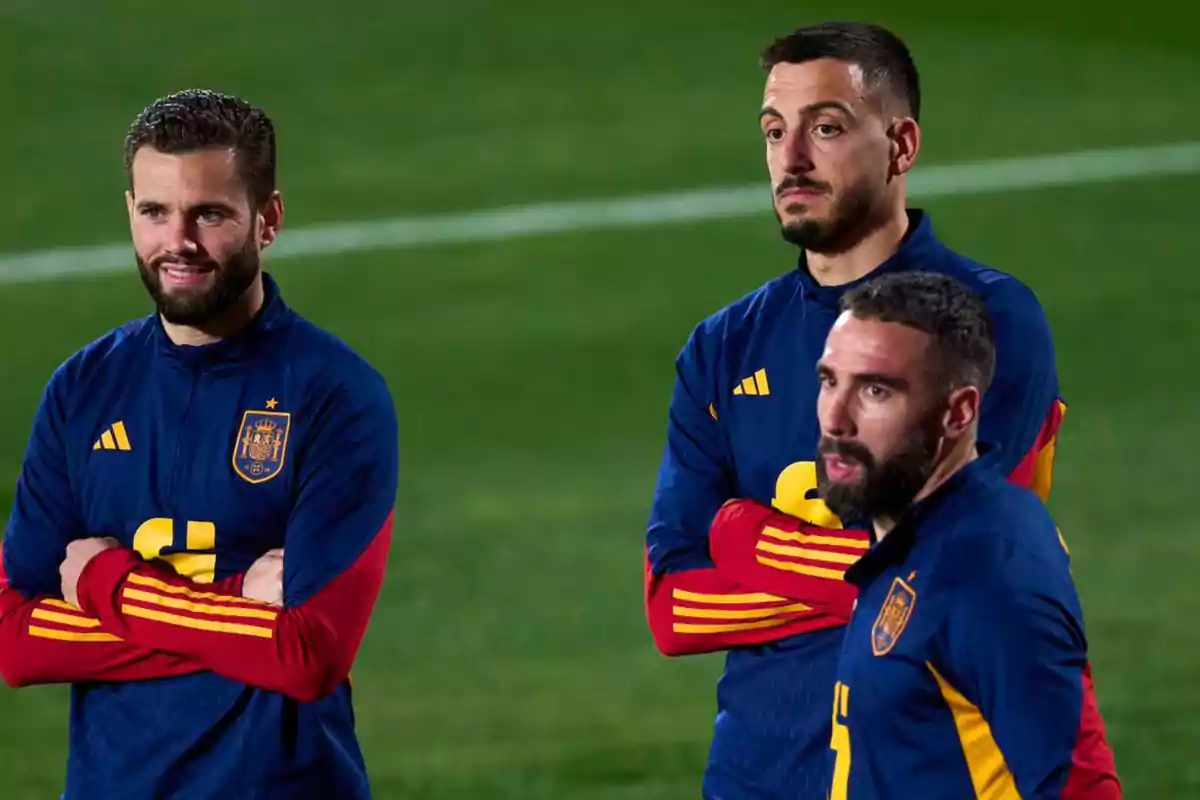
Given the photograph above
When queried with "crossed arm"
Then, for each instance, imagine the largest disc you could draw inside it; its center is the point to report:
(723, 571)
(133, 619)
(47, 640)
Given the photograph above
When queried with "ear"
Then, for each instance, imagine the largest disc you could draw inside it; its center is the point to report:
(271, 216)
(905, 137)
(129, 203)
(962, 411)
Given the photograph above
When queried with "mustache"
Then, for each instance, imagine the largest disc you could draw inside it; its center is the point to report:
(800, 182)
(846, 449)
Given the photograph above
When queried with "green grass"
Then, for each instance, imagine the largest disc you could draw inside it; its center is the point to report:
(509, 657)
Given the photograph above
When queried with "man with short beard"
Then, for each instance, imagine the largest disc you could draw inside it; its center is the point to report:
(962, 672)
(763, 579)
(204, 511)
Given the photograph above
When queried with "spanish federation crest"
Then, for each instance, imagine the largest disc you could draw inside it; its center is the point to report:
(893, 617)
(261, 445)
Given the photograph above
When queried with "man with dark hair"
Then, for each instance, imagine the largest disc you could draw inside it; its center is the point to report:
(742, 555)
(172, 464)
(962, 673)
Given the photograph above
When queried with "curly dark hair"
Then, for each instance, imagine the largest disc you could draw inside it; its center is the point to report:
(195, 119)
(940, 306)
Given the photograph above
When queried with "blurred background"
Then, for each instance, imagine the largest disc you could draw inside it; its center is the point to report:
(509, 656)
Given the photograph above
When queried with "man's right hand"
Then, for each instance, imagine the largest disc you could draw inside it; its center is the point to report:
(264, 579)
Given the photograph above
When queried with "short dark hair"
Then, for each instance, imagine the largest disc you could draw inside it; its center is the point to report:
(883, 56)
(195, 119)
(942, 307)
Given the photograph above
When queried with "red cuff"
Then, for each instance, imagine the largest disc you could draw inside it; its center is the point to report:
(701, 611)
(102, 577)
(303, 651)
(756, 545)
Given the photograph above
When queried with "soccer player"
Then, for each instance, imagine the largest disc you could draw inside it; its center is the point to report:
(962, 670)
(168, 457)
(764, 580)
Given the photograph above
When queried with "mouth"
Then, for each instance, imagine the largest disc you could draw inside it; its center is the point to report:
(178, 274)
(840, 469)
(799, 194)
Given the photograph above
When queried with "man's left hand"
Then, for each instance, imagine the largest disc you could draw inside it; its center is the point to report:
(79, 553)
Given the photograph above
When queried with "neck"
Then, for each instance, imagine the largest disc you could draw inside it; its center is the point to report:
(954, 460)
(221, 327)
(846, 266)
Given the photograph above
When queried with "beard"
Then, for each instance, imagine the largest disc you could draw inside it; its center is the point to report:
(851, 215)
(886, 490)
(196, 307)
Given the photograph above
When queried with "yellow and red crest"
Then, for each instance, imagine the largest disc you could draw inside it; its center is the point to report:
(893, 617)
(261, 445)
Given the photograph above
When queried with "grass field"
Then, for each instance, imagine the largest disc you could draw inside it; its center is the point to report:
(509, 657)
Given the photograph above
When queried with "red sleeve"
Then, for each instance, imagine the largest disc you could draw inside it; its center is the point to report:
(1093, 767)
(1036, 470)
(304, 651)
(700, 611)
(774, 552)
(46, 640)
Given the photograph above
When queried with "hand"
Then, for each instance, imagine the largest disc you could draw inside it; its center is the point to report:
(79, 554)
(264, 579)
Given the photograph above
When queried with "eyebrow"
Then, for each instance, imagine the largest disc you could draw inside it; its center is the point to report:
(883, 380)
(880, 378)
(216, 205)
(823, 105)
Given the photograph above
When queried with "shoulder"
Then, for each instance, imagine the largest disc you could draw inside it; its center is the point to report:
(1014, 306)
(1005, 547)
(737, 321)
(94, 362)
(339, 381)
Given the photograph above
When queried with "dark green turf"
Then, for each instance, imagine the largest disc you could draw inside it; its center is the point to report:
(509, 656)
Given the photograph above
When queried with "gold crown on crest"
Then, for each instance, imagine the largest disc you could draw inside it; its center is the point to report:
(265, 426)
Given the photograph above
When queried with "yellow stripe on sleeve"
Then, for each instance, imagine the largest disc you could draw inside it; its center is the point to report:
(162, 586)
(197, 624)
(199, 608)
(828, 556)
(816, 540)
(688, 627)
(732, 599)
(802, 569)
(739, 613)
(989, 772)
(65, 619)
(71, 636)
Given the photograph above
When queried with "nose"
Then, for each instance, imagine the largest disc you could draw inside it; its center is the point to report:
(181, 235)
(834, 413)
(796, 154)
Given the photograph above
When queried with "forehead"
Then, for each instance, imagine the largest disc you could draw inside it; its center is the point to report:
(857, 346)
(211, 172)
(791, 86)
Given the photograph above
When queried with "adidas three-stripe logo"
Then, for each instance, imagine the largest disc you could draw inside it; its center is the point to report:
(113, 438)
(755, 385)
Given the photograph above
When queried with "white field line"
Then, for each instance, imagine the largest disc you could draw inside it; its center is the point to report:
(1062, 169)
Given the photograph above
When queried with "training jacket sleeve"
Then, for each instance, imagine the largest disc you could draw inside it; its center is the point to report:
(1022, 409)
(1016, 653)
(691, 607)
(336, 549)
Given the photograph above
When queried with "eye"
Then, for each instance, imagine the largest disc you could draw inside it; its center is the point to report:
(773, 134)
(827, 130)
(877, 392)
(211, 216)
